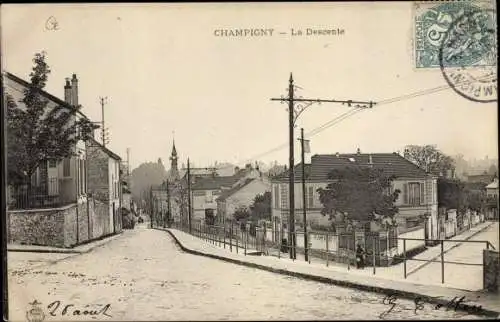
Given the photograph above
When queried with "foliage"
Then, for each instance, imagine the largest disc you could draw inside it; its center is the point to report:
(261, 206)
(455, 194)
(128, 219)
(39, 132)
(429, 158)
(358, 194)
(241, 213)
(144, 176)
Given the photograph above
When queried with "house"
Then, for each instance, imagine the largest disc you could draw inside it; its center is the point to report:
(241, 195)
(483, 178)
(59, 213)
(417, 200)
(492, 200)
(206, 189)
(104, 183)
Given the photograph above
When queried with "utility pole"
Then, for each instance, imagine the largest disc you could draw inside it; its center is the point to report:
(189, 194)
(169, 210)
(294, 111)
(103, 101)
(304, 212)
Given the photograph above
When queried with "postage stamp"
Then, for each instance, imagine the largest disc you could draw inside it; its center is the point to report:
(459, 38)
(471, 38)
(432, 20)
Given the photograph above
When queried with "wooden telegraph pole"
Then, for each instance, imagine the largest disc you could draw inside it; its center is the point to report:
(295, 107)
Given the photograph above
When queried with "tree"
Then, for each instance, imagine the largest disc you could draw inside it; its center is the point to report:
(261, 206)
(451, 194)
(241, 213)
(38, 132)
(146, 175)
(429, 158)
(358, 195)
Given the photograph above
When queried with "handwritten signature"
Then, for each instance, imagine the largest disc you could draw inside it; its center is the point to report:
(71, 309)
(457, 303)
(51, 24)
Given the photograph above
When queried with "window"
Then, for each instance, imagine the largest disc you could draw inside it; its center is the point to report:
(276, 196)
(414, 193)
(66, 167)
(52, 163)
(310, 197)
(209, 197)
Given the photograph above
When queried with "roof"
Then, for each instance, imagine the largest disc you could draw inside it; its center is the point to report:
(215, 182)
(44, 93)
(227, 193)
(493, 185)
(105, 149)
(392, 164)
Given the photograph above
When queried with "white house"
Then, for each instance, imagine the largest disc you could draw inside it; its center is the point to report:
(241, 195)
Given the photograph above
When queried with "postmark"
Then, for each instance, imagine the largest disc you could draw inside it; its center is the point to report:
(468, 55)
(431, 24)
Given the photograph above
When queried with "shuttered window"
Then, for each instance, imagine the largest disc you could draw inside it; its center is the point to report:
(276, 196)
(310, 197)
(66, 167)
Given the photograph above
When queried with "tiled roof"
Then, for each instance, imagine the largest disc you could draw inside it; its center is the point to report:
(392, 164)
(297, 173)
(215, 182)
(227, 193)
(110, 153)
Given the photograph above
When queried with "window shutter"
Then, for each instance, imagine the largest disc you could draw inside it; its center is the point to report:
(405, 193)
(422, 193)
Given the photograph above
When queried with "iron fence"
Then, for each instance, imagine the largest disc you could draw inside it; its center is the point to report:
(47, 194)
(379, 250)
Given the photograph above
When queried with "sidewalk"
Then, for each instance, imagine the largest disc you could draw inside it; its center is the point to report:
(84, 248)
(490, 303)
(433, 253)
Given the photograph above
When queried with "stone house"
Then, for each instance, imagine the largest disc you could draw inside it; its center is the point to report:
(241, 195)
(61, 214)
(417, 202)
(104, 183)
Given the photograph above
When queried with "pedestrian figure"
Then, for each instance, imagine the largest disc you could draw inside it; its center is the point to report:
(360, 257)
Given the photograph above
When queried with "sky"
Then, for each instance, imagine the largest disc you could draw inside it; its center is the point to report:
(164, 70)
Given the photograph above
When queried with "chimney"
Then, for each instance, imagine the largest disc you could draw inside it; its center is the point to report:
(67, 92)
(74, 87)
(337, 155)
(371, 160)
(358, 151)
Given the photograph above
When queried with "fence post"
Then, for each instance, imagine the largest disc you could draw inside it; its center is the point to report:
(442, 261)
(236, 239)
(231, 238)
(373, 255)
(404, 256)
(326, 235)
(348, 250)
(224, 228)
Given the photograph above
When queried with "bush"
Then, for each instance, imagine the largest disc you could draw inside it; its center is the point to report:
(128, 220)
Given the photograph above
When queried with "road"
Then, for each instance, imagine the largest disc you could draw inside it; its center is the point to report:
(143, 275)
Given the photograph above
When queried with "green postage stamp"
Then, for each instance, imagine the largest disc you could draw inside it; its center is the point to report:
(435, 20)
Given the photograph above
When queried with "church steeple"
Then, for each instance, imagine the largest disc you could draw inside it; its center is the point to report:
(174, 171)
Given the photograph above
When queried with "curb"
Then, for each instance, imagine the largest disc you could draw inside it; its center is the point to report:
(448, 250)
(374, 289)
(99, 242)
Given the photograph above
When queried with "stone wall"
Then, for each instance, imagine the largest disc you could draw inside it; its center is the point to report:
(98, 173)
(38, 227)
(60, 227)
(491, 271)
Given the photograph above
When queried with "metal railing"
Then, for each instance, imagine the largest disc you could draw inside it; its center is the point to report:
(44, 195)
(377, 253)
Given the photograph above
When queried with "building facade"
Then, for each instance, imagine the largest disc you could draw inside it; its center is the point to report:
(417, 200)
(241, 195)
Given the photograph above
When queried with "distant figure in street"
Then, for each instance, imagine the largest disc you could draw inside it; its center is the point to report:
(360, 257)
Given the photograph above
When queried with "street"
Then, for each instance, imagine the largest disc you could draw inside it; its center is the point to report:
(143, 275)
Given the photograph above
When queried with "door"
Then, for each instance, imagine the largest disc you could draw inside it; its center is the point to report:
(114, 219)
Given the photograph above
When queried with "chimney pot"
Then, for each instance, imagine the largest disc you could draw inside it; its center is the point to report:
(68, 92)
(74, 88)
